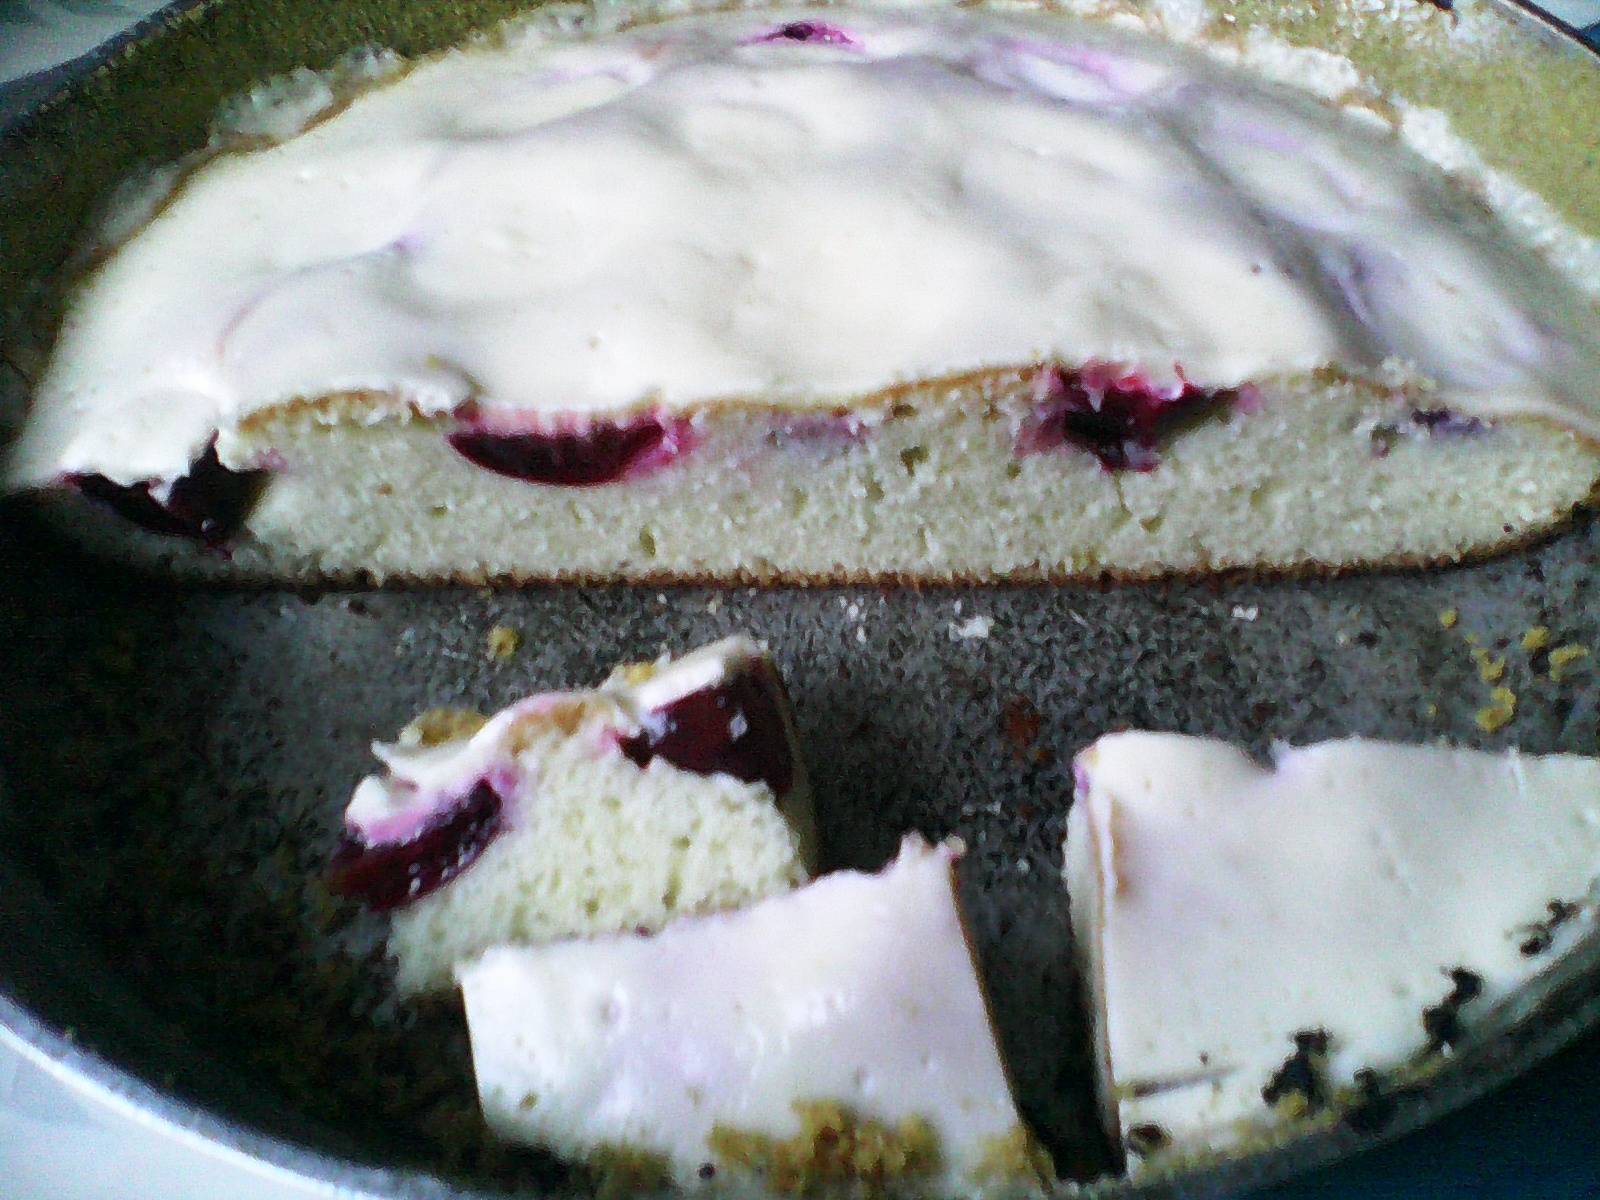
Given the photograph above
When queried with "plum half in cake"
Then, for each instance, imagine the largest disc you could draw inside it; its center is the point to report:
(835, 1033)
(926, 291)
(1257, 937)
(675, 787)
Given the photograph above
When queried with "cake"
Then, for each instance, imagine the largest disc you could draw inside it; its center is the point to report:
(922, 292)
(674, 787)
(1264, 941)
(834, 1034)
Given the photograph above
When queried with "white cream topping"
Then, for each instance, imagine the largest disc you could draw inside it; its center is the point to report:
(689, 212)
(422, 779)
(856, 989)
(1224, 906)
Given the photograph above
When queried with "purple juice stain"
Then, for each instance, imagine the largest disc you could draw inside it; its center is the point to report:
(599, 454)
(1120, 420)
(207, 504)
(732, 728)
(393, 874)
(809, 31)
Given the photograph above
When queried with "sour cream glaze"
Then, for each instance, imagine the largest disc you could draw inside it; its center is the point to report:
(800, 207)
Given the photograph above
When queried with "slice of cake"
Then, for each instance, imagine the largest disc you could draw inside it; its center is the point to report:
(833, 1034)
(675, 787)
(926, 291)
(1257, 936)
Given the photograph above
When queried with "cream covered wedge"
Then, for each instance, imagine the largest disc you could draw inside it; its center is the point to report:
(853, 292)
(1257, 936)
(837, 1033)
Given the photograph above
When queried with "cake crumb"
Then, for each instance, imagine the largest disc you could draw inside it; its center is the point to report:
(1536, 638)
(1431, 711)
(1563, 657)
(1500, 710)
(835, 1145)
(1490, 669)
(503, 642)
(973, 629)
(1243, 612)
(1016, 1157)
(1448, 618)
(436, 726)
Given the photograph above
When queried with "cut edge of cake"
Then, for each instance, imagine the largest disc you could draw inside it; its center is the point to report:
(944, 482)
(676, 786)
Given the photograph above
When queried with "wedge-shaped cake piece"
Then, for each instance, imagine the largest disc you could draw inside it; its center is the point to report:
(914, 291)
(838, 1032)
(675, 787)
(1256, 935)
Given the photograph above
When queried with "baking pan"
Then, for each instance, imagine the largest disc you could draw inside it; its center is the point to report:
(174, 761)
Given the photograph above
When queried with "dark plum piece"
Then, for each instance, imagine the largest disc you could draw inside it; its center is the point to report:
(600, 453)
(1119, 419)
(810, 31)
(1441, 422)
(393, 874)
(1434, 422)
(208, 504)
(731, 728)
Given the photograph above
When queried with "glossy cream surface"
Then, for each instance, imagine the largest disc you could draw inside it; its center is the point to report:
(711, 210)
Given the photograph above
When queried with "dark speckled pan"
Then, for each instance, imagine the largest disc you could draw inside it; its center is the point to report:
(173, 761)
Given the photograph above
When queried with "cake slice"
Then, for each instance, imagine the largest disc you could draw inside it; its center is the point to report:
(837, 1033)
(1257, 936)
(924, 292)
(675, 787)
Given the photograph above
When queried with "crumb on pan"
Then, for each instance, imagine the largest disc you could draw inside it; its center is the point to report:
(1490, 668)
(1563, 657)
(1500, 710)
(503, 642)
(834, 1145)
(1448, 618)
(1537, 638)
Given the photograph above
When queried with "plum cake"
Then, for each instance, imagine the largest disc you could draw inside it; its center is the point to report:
(924, 292)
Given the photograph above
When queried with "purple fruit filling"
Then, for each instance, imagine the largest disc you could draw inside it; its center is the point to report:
(1441, 422)
(393, 874)
(1119, 417)
(732, 728)
(208, 504)
(809, 31)
(1434, 422)
(599, 453)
